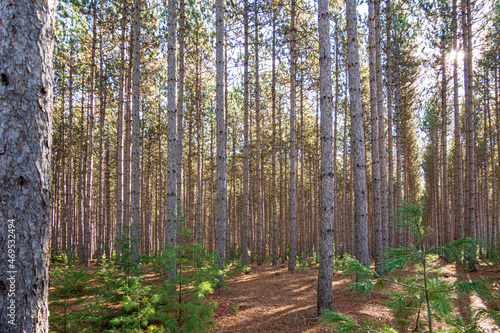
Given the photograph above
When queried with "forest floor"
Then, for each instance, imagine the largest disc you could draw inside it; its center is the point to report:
(272, 299)
(269, 299)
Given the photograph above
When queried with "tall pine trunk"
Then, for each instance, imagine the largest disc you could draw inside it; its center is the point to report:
(357, 137)
(170, 232)
(325, 274)
(293, 148)
(26, 101)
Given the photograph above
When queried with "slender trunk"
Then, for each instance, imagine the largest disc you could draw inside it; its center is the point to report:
(376, 205)
(381, 131)
(444, 151)
(102, 119)
(470, 216)
(325, 274)
(293, 148)
(244, 231)
(390, 144)
(357, 137)
(200, 150)
(180, 101)
(220, 235)
(90, 145)
(136, 171)
(170, 232)
(397, 109)
(273, 139)
(69, 174)
(119, 167)
(260, 255)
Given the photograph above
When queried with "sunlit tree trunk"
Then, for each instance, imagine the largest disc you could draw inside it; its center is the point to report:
(325, 274)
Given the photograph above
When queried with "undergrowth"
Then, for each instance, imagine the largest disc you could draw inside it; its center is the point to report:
(127, 294)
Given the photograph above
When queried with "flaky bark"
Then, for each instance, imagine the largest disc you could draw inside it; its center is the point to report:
(325, 275)
(26, 101)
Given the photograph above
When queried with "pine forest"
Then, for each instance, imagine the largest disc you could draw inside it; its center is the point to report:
(249, 166)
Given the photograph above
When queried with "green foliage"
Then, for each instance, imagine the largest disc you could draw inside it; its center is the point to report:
(344, 324)
(305, 261)
(71, 289)
(128, 302)
(424, 289)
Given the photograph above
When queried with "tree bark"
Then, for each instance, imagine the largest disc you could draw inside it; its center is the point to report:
(220, 234)
(376, 200)
(90, 145)
(171, 234)
(325, 274)
(293, 148)
(357, 137)
(136, 171)
(26, 101)
(244, 231)
(273, 139)
(260, 254)
(180, 101)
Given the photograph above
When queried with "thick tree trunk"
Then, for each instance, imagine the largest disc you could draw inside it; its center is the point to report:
(26, 101)
(325, 275)
(357, 137)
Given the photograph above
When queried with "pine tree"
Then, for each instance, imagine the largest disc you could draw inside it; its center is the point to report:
(27, 36)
